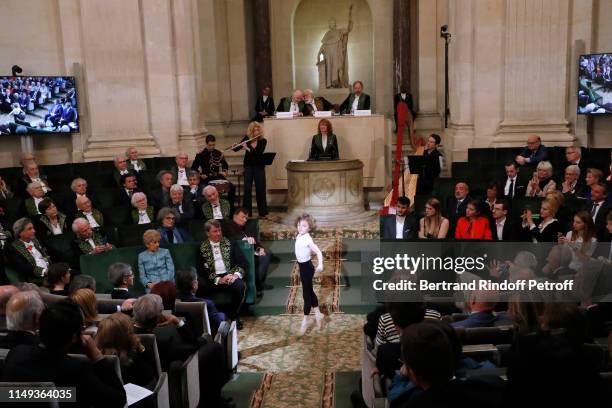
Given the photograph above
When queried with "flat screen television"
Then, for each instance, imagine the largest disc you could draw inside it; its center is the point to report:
(38, 105)
(595, 84)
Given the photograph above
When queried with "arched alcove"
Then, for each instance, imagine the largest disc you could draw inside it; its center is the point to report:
(310, 23)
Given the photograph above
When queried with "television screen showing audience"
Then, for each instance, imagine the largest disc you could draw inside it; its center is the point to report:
(595, 84)
(34, 105)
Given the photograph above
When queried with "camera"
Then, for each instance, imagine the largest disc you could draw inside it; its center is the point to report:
(444, 32)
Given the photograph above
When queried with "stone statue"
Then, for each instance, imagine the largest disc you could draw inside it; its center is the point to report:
(332, 59)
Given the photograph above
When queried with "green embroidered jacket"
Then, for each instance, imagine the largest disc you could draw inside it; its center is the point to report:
(207, 209)
(209, 259)
(38, 272)
(85, 247)
(136, 218)
(97, 215)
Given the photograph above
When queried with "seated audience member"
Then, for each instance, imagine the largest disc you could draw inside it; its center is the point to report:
(121, 169)
(223, 268)
(84, 281)
(406, 312)
(211, 164)
(357, 100)
(592, 177)
(502, 228)
(541, 182)
(26, 255)
(187, 286)
(572, 186)
(404, 225)
(194, 193)
(167, 291)
(5, 191)
(433, 165)
(60, 330)
(116, 337)
(481, 306)
(31, 174)
(473, 225)
(86, 300)
(490, 200)
(85, 210)
(599, 208)
(134, 164)
(324, 144)
(315, 104)
(129, 186)
(51, 222)
(170, 233)
(55, 112)
(563, 212)
(121, 277)
(180, 203)
(264, 106)
(514, 186)
(604, 250)
(388, 353)
(235, 230)
(573, 155)
(534, 152)
(433, 225)
(582, 238)
(547, 230)
(457, 204)
(214, 207)
(558, 263)
(142, 212)
(89, 241)
(23, 312)
(179, 170)
(79, 189)
(37, 194)
(294, 104)
(58, 278)
(160, 195)
(176, 342)
(155, 264)
(6, 291)
(524, 311)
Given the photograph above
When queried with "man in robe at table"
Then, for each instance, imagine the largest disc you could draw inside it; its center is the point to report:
(211, 163)
(236, 230)
(215, 207)
(179, 171)
(534, 152)
(224, 268)
(121, 169)
(26, 255)
(264, 107)
(404, 225)
(295, 104)
(87, 240)
(357, 100)
(315, 104)
(86, 210)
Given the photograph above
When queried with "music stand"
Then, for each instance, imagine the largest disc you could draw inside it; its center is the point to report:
(417, 165)
(268, 158)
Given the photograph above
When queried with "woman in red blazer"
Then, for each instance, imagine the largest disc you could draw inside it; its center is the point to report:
(473, 225)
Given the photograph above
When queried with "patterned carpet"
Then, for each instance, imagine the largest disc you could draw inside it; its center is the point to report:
(300, 370)
(272, 229)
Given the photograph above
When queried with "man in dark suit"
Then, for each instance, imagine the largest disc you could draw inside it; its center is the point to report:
(294, 104)
(534, 152)
(223, 268)
(598, 207)
(61, 324)
(357, 100)
(79, 188)
(264, 106)
(573, 155)
(433, 165)
(22, 315)
(406, 97)
(176, 342)
(573, 184)
(121, 276)
(456, 205)
(194, 193)
(513, 185)
(181, 203)
(160, 195)
(129, 186)
(121, 168)
(404, 225)
(482, 314)
(235, 230)
(30, 174)
(69, 115)
(502, 228)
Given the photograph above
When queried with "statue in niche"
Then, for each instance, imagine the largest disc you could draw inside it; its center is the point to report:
(332, 58)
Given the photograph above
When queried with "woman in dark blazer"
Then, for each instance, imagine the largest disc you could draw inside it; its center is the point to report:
(547, 230)
(51, 222)
(254, 168)
(324, 143)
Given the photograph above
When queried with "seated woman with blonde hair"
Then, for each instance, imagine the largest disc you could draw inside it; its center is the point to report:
(155, 264)
(86, 300)
(541, 182)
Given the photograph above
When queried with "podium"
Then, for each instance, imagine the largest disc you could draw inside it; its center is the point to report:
(330, 191)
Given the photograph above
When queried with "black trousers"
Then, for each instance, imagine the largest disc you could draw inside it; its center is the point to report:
(255, 174)
(237, 291)
(306, 274)
(262, 263)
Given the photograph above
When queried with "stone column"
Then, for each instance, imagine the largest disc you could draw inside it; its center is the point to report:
(261, 44)
(429, 43)
(536, 77)
(461, 72)
(401, 43)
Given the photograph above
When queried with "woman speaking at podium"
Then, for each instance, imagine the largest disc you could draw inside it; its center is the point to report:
(254, 145)
(324, 143)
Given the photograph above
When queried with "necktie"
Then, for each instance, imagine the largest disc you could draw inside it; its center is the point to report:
(511, 189)
(594, 209)
(457, 208)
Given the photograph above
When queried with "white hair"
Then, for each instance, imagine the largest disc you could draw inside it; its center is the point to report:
(546, 166)
(78, 222)
(176, 187)
(136, 196)
(147, 309)
(572, 168)
(25, 317)
(75, 181)
(33, 185)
